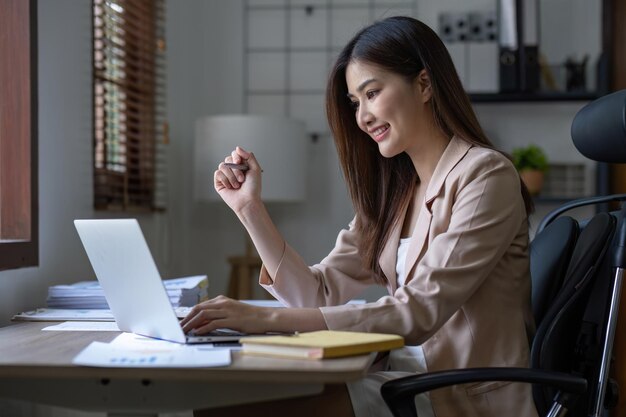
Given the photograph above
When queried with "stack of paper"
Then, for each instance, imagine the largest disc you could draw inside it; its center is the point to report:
(186, 291)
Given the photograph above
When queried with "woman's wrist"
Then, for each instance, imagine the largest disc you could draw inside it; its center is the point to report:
(273, 320)
(250, 211)
(296, 320)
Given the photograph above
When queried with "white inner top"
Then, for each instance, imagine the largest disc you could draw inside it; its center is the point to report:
(403, 248)
(409, 358)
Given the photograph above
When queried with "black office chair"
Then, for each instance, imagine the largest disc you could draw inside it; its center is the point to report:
(572, 348)
(550, 253)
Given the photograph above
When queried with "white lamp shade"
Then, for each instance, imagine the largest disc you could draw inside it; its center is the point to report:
(278, 143)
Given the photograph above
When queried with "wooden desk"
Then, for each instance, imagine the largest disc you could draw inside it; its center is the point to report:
(36, 366)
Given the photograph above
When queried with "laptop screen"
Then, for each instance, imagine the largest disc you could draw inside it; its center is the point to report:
(129, 277)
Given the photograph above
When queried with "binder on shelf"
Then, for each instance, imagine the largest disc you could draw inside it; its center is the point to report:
(529, 45)
(509, 46)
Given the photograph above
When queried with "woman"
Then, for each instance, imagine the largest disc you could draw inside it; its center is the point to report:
(441, 221)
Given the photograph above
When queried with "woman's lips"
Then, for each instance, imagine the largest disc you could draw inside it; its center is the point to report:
(379, 133)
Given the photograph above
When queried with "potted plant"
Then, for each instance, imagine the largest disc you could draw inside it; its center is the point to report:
(531, 163)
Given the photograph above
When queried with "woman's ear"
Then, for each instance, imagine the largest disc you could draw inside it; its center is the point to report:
(423, 86)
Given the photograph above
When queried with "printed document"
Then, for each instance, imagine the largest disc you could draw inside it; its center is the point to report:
(132, 351)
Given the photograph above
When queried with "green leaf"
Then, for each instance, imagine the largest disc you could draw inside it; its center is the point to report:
(530, 157)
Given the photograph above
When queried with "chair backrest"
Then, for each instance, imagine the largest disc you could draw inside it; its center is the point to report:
(594, 345)
(599, 133)
(555, 344)
(550, 253)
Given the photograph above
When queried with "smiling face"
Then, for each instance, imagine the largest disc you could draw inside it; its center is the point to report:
(390, 109)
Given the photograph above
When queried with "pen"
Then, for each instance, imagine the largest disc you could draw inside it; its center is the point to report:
(241, 167)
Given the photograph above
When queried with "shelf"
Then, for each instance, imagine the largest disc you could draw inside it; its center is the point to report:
(532, 97)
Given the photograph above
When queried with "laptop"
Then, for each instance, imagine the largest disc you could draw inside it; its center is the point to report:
(132, 284)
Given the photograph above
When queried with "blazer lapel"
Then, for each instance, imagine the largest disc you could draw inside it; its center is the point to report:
(389, 255)
(455, 151)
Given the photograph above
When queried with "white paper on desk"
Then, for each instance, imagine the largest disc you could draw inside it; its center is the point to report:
(56, 314)
(135, 341)
(112, 356)
(75, 314)
(84, 326)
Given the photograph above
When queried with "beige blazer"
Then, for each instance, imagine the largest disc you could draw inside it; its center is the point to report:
(467, 296)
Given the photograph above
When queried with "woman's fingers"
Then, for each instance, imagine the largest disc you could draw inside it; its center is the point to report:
(192, 313)
(241, 156)
(223, 312)
(205, 312)
(227, 177)
(242, 153)
(201, 319)
(231, 178)
(237, 158)
(211, 326)
(253, 163)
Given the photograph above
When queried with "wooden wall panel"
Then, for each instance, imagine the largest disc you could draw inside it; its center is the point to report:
(15, 121)
(19, 202)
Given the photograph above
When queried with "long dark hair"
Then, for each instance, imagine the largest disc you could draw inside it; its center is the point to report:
(381, 188)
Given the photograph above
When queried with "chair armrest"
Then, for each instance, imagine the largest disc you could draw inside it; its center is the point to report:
(399, 393)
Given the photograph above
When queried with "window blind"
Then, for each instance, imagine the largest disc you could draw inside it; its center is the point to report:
(130, 127)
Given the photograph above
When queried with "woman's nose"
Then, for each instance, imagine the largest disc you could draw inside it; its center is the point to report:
(364, 117)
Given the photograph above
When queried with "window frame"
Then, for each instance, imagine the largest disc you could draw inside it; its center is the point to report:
(22, 251)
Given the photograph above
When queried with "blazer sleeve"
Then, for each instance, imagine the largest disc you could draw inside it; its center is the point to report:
(487, 214)
(335, 280)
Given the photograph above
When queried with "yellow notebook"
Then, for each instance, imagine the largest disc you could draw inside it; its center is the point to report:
(321, 344)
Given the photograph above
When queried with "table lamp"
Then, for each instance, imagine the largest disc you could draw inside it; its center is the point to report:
(279, 145)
